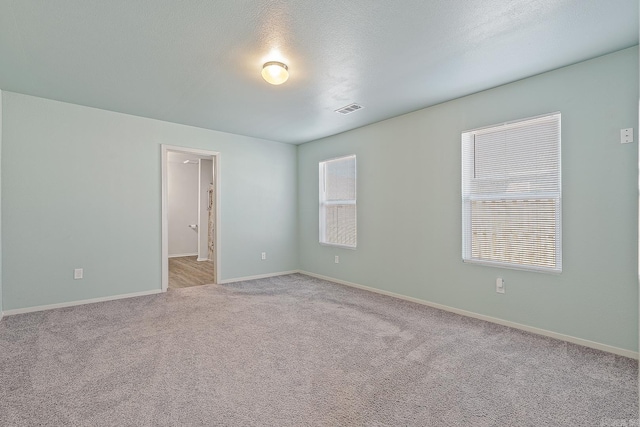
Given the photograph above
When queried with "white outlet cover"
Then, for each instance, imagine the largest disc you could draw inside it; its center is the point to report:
(78, 273)
(626, 135)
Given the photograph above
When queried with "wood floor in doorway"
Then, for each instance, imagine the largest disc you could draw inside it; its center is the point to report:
(186, 271)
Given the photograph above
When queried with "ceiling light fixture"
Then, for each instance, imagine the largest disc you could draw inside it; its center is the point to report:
(275, 72)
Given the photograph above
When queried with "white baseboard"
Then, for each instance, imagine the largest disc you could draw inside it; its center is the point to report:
(131, 295)
(544, 332)
(181, 255)
(259, 276)
(202, 259)
(81, 302)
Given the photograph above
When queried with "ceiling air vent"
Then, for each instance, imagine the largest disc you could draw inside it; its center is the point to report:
(349, 109)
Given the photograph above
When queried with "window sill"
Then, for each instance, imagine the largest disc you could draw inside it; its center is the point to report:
(530, 268)
(334, 245)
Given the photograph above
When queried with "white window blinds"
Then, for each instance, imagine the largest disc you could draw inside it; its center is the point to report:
(511, 194)
(338, 202)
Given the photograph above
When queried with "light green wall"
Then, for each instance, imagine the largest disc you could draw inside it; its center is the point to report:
(81, 188)
(0, 206)
(409, 204)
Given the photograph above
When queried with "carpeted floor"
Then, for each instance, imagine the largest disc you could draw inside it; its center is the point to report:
(297, 351)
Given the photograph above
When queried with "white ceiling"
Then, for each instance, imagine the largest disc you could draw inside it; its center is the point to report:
(198, 62)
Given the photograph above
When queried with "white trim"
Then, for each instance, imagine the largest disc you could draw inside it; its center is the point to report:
(513, 122)
(258, 276)
(81, 302)
(181, 255)
(199, 203)
(202, 259)
(165, 220)
(323, 202)
(335, 245)
(472, 193)
(538, 331)
(520, 267)
(164, 209)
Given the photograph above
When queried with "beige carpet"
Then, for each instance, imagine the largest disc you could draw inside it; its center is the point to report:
(296, 351)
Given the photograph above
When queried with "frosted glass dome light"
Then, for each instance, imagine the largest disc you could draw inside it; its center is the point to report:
(275, 72)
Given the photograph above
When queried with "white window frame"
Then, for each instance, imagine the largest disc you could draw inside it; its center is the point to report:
(467, 199)
(324, 203)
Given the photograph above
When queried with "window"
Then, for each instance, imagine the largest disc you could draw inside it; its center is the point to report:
(511, 195)
(338, 202)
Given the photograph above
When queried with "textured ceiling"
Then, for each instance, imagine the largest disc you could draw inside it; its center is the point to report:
(198, 62)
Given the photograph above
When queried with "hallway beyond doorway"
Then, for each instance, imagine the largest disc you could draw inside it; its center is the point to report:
(186, 271)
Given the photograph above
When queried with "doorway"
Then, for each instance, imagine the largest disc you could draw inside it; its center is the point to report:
(190, 217)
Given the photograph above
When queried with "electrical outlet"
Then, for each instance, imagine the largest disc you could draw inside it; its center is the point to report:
(78, 273)
(626, 135)
(264, 256)
(500, 285)
(337, 259)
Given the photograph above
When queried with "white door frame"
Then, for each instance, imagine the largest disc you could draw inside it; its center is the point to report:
(165, 217)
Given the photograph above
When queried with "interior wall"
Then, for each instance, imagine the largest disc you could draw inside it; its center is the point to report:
(409, 205)
(88, 184)
(182, 204)
(206, 179)
(1, 299)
